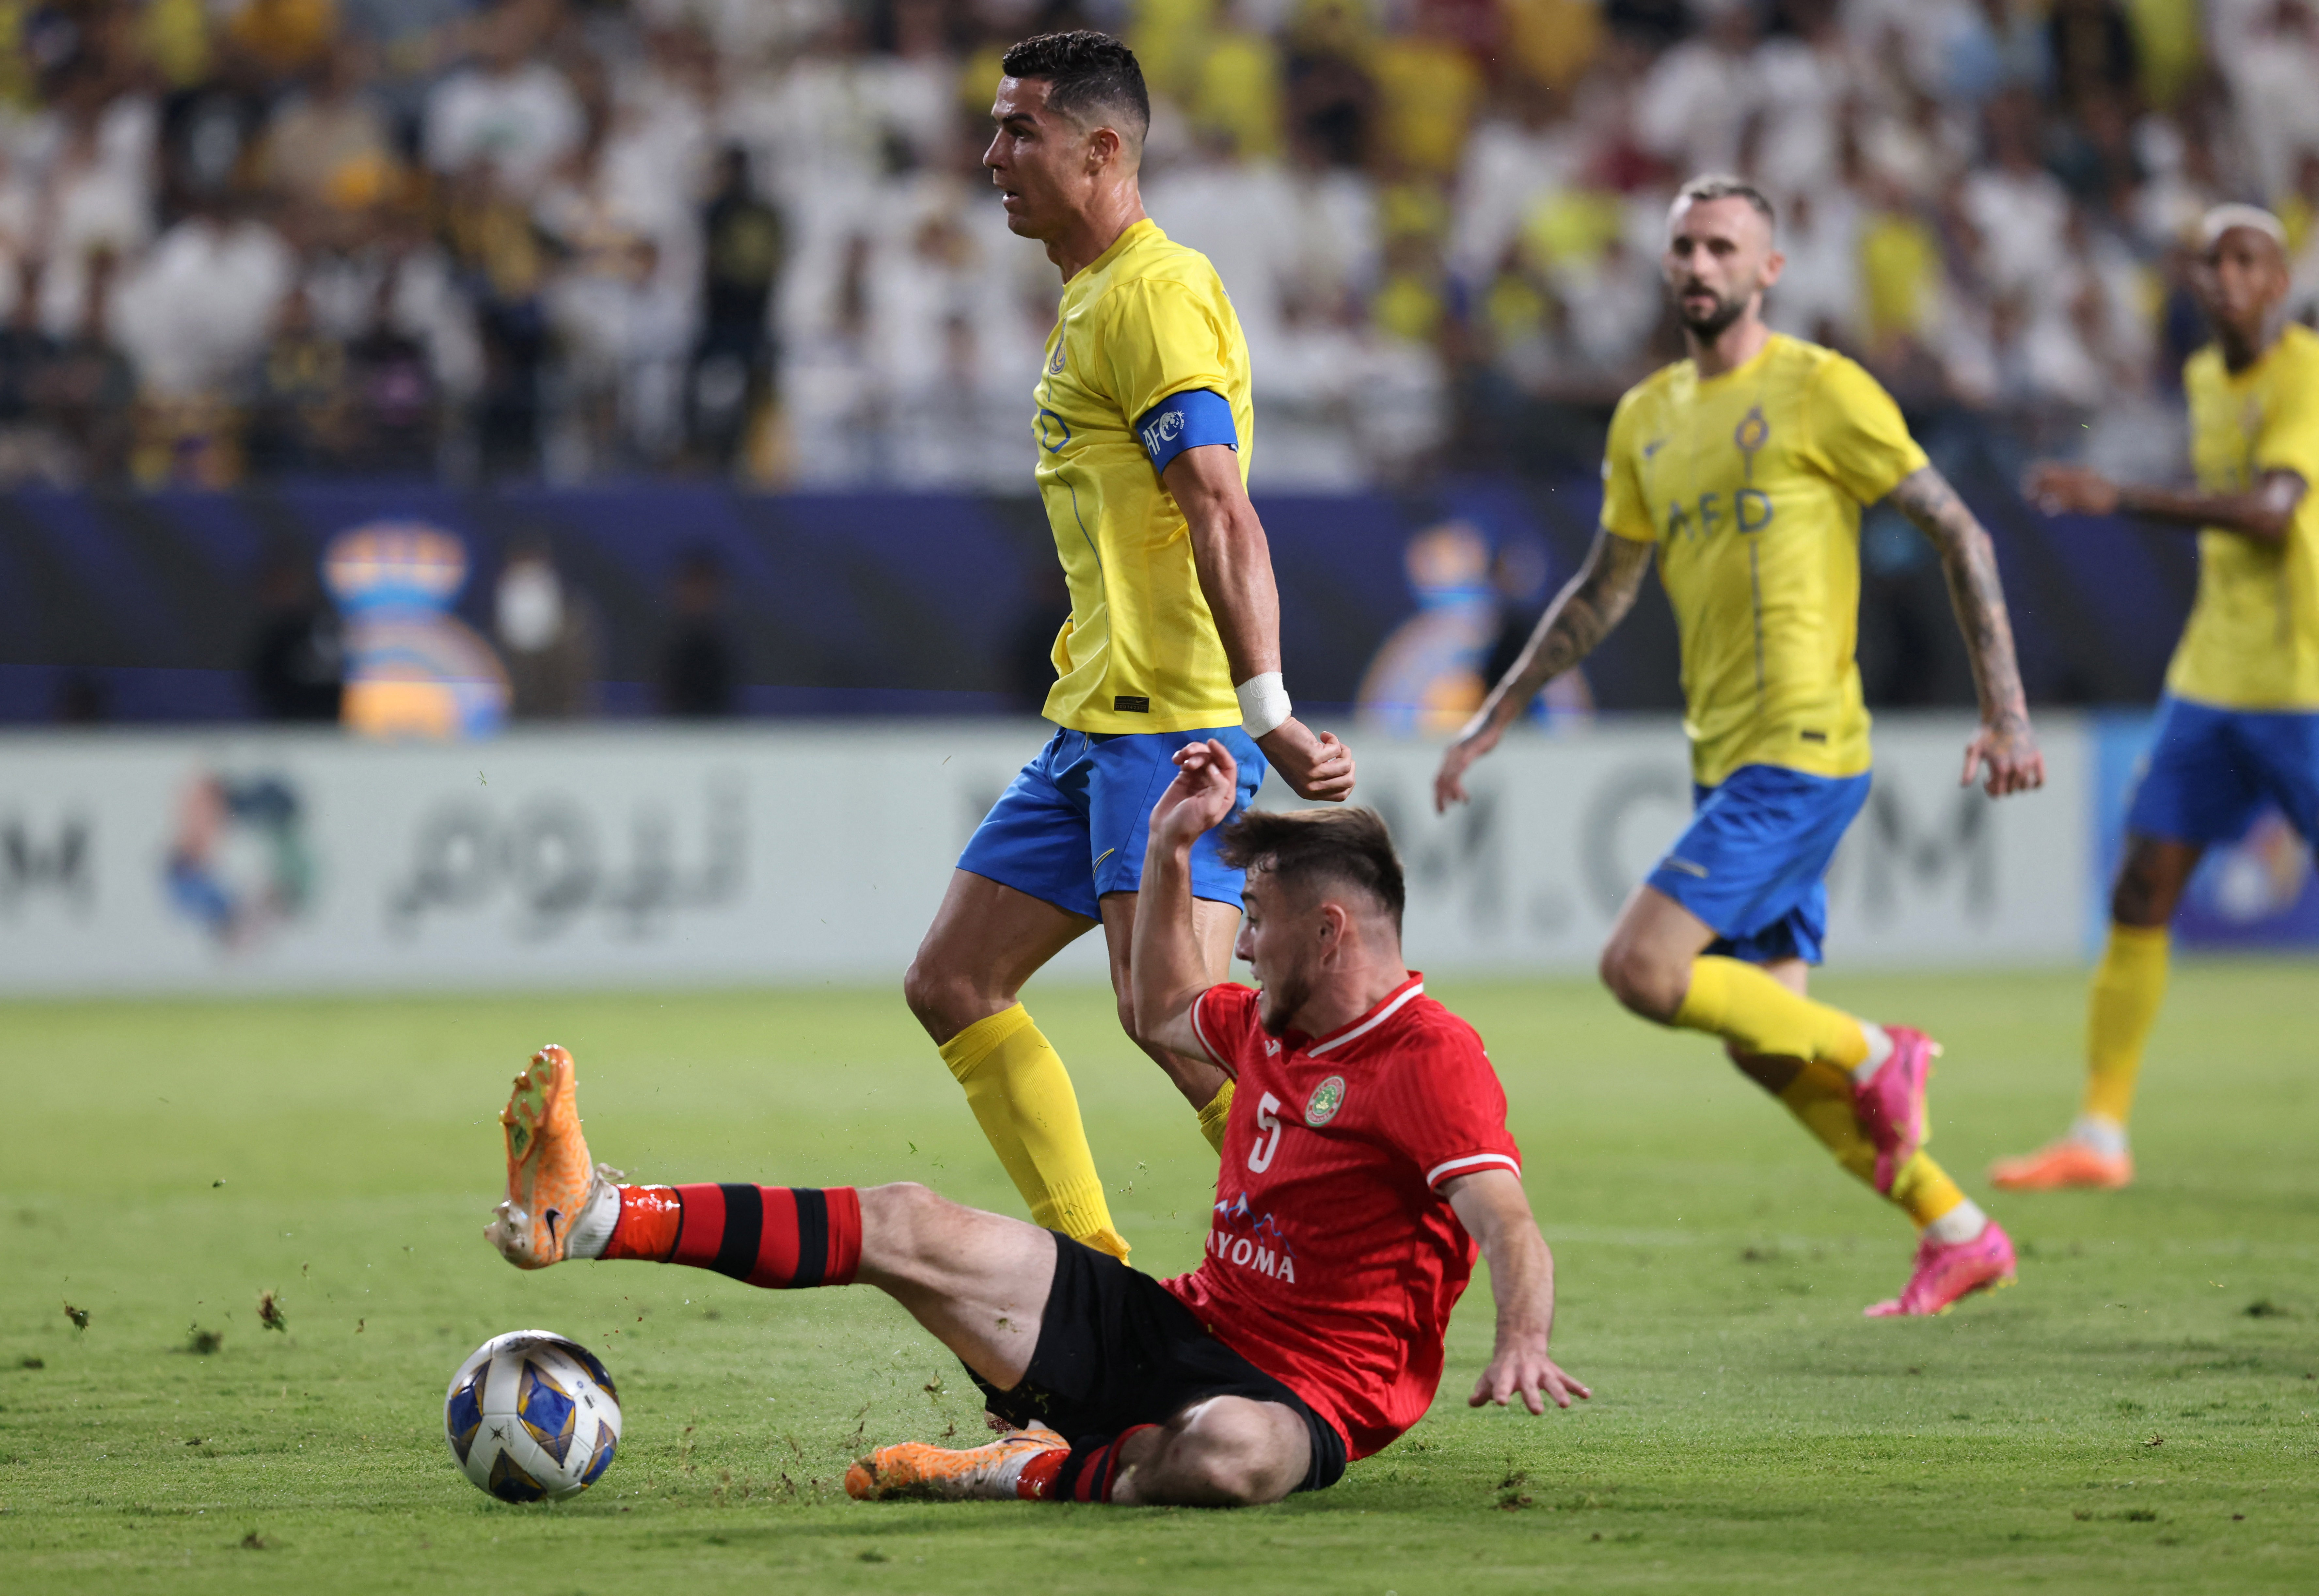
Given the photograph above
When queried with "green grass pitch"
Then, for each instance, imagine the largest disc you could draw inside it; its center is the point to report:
(2138, 1413)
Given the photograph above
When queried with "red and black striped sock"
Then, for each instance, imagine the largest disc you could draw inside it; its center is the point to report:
(1086, 1473)
(775, 1236)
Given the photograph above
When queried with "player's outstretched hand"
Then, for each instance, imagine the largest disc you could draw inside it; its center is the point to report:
(1481, 735)
(1524, 1370)
(2060, 490)
(1206, 785)
(2011, 753)
(1316, 767)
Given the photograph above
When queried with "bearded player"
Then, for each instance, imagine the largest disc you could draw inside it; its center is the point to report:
(1747, 467)
(1366, 1164)
(2239, 726)
(1143, 429)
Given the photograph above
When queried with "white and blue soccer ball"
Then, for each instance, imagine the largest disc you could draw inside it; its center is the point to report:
(532, 1416)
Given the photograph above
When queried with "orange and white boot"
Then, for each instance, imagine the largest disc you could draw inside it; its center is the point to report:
(2072, 1162)
(550, 1185)
(916, 1471)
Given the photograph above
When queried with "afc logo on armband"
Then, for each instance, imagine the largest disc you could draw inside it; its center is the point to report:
(1163, 432)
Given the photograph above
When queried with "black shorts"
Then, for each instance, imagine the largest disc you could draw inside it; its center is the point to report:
(1116, 1350)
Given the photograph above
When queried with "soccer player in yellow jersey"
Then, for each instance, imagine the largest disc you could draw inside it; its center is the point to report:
(1143, 425)
(2239, 721)
(1746, 468)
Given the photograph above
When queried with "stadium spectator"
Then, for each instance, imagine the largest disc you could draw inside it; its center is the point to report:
(700, 668)
(547, 635)
(329, 142)
(743, 244)
(512, 112)
(298, 659)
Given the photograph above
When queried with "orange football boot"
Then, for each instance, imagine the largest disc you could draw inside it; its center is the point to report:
(549, 1180)
(914, 1470)
(2059, 1166)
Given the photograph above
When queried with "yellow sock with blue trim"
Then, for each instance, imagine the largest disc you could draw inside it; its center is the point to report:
(1755, 1013)
(1022, 1096)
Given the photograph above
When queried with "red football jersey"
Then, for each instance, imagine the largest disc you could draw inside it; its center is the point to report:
(1333, 1260)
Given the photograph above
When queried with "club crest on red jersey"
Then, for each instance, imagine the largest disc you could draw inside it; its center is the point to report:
(1327, 1098)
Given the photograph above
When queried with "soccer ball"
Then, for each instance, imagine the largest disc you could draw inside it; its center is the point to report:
(530, 1415)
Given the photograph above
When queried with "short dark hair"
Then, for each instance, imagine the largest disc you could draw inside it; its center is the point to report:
(1304, 848)
(1723, 185)
(1085, 71)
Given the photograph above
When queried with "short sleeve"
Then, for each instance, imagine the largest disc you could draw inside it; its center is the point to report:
(1858, 438)
(1448, 1113)
(1224, 1019)
(2290, 437)
(1626, 512)
(1159, 339)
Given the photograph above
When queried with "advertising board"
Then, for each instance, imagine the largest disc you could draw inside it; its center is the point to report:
(247, 860)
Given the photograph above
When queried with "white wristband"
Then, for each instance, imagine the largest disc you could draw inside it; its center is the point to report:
(1264, 704)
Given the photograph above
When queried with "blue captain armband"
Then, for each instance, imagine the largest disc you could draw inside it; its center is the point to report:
(1185, 421)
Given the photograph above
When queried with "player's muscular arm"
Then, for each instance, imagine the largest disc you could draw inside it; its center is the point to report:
(1581, 614)
(1235, 566)
(2263, 512)
(1167, 972)
(2004, 744)
(1495, 1212)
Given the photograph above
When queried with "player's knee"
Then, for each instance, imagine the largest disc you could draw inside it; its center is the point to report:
(2140, 898)
(1234, 1452)
(945, 1001)
(1643, 983)
(906, 1216)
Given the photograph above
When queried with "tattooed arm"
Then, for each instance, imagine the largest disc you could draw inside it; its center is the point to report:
(2263, 512)
(1581, 614)
(2004, 743)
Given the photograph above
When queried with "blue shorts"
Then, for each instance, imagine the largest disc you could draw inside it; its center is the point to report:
(1752, 863)
(1072, 826)
(2212, 770)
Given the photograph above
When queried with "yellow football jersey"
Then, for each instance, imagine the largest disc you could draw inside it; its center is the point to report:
(1751, 484)
(1147, 322)
(2252, 642)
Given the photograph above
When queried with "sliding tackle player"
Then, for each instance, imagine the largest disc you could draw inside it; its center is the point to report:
(1366, 1166)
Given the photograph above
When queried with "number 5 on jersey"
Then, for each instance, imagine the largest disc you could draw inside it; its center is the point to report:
(1268, 1121)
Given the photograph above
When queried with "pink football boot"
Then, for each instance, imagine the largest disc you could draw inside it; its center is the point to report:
(1949, 1271)
(1890, 1103)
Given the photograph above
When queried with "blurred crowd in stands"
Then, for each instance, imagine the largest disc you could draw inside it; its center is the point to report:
(576, 239)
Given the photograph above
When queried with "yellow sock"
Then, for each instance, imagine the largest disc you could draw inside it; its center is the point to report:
(1924, 1190)
(1748, 1009)
(1020, 1095)
(2121, 1008)
(1820, 1098)
(1212, 1117)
